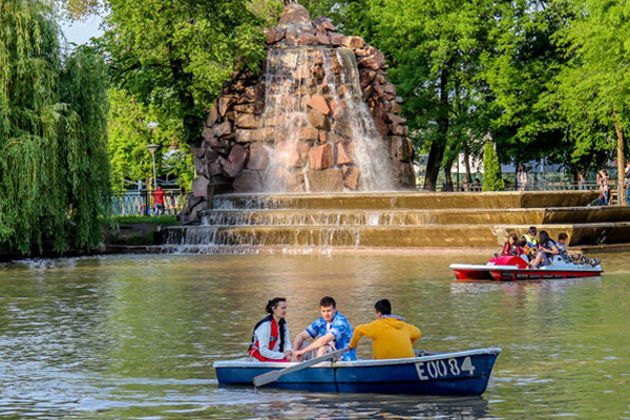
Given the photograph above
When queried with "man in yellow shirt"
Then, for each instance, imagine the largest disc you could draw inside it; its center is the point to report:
(392, 337)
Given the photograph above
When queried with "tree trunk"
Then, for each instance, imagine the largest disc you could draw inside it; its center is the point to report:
(448, 179)
(621, 164)
(436, 153)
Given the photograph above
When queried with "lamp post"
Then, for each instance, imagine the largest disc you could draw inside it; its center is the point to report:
(153, 148)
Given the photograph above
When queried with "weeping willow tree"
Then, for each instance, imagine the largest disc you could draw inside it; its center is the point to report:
(53, 162)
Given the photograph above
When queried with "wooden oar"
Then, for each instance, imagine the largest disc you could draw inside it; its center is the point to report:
(422, 353)
(274, 375)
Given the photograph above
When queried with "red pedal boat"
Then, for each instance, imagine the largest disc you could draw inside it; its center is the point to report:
(509, 268)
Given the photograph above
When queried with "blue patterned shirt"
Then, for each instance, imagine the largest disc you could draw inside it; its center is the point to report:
(340, 328)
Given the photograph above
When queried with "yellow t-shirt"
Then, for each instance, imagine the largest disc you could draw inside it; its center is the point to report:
(392, 337)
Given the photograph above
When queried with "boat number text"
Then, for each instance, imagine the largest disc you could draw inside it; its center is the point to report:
(440, 368)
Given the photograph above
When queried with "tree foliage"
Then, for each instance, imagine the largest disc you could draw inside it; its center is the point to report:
(506, 69)
(545, 79)
(129, 136)
(522, 61)
(79, 9)
(492, 180)
(592, 92)
(175, 56)
(53, 162)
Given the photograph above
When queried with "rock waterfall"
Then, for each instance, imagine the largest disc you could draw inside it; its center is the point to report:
(321, 117)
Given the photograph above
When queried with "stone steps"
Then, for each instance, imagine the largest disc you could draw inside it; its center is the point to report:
(433, 235)
(406, 200)
(324, 222)
(411, 217)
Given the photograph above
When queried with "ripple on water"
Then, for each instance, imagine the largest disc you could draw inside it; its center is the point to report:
(135, 336)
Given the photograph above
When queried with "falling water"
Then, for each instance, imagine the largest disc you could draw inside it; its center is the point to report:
(370, 153)
(251, 223)
(284, 111)
(289, 83)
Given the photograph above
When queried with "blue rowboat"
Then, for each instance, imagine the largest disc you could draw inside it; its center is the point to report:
(458, 373)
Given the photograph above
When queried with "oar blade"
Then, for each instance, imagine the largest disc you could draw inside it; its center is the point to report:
(274, 375)
(267, 378)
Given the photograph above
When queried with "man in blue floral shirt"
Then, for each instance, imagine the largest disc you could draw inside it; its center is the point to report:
(330, 332)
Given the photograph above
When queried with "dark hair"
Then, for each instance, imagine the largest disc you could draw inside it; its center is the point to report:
(383, 306)
(328, 301)
(562, 236)
(522, 242)
(271, 305)
(532, 230)
(513, 236)
(544, 238)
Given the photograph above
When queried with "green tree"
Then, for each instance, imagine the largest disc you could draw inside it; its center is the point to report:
(129, 136)
(78, 9)
(592, 93)
(492, 180)
(466, 69)
(435, 48)
(53, 162)
(518, 68)
(176, 55)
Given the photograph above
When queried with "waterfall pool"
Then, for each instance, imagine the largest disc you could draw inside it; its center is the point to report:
(136, 336)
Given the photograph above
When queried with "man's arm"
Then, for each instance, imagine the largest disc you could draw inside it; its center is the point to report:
(356, 336)
(299, 339)
(320, 342)
(414, 334)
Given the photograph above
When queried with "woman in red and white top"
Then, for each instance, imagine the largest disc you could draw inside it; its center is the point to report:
(271, 341)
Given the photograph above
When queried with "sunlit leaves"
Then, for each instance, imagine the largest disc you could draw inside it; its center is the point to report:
(593, 91)
(129, 136)
(187, 47)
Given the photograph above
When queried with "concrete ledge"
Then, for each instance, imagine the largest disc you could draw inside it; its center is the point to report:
(408, 217)
(433, 236)
(408, 200)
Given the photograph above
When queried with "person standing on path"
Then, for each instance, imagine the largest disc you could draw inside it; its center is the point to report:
(158, 200)
(521, 178)
(602, 183)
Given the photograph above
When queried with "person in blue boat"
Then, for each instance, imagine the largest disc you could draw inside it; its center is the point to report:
(330, 332)
(271, 341)
(392, 337)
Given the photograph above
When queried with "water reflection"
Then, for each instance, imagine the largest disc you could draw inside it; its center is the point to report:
(135, 336)
(280, 405)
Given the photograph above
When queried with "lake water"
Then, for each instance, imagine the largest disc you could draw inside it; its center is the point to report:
(135, 336)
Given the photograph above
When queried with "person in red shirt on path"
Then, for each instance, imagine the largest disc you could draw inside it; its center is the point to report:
(158, 200)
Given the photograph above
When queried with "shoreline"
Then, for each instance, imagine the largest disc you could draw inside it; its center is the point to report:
(297, 250)
(305, 250)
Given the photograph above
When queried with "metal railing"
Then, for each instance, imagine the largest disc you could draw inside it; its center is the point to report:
(141, 203)
(535, 182)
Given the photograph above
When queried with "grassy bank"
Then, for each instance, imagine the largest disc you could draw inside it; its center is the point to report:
(137, 230)
(164, 220)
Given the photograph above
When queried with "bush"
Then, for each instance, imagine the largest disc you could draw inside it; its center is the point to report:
(493, 180)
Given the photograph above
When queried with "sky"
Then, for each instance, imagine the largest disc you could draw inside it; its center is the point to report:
(81, 32)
